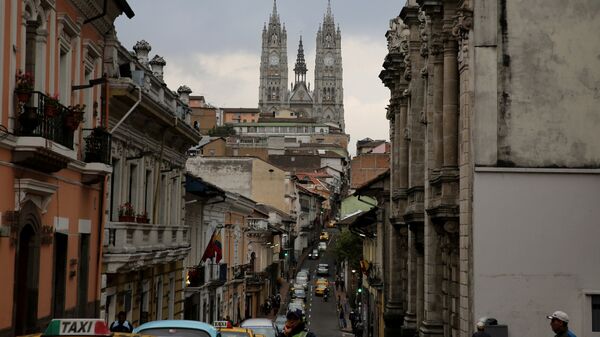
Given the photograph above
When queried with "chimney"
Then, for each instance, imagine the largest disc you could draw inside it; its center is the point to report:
(157, 63)
(184, 94)
(142, 49)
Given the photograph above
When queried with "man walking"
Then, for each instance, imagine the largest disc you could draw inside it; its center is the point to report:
(342, 318)
(559, 321)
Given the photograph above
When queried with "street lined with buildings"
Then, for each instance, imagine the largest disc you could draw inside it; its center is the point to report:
(123, 196)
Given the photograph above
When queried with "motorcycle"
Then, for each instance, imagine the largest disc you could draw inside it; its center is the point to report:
(325, 297)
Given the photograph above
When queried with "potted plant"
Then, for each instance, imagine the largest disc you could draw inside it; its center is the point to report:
(23, 86)
(51, 106)
(126, 213)
(74, 116)
(142, 217)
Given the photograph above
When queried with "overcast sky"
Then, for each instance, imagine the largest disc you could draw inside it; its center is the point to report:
(213, 46)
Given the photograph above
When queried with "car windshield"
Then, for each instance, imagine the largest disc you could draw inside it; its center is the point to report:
(299, 291)
(175, 332)
(263, 330)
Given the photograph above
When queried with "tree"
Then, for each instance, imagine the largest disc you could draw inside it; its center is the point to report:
(221, 131)
(348, 247)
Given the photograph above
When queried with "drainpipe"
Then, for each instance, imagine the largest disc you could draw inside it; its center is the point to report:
(130, 110)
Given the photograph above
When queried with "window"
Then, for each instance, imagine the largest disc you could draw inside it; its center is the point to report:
(595, 313)
(132, 188)
(148, 195)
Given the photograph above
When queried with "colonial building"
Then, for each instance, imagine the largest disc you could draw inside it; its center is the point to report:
(146, 238)
(325, 102)
(495, 154)
(53, 158)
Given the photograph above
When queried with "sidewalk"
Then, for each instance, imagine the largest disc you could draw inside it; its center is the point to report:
(344, 302)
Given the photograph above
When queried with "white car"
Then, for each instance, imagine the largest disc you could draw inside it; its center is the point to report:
(323, 269)
(314, 254)
(322, 246)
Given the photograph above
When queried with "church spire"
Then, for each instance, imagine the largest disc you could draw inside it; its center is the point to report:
(300, 68)
(328, 7)
(274, 15)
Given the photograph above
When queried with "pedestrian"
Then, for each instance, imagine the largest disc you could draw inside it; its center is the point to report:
(294, 325)
(559, 321)
(342, 318)
(480, 326)
(121, 324)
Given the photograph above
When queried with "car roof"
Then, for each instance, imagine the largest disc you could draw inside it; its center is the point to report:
(250, 322)
(234, 330)
(177, 323)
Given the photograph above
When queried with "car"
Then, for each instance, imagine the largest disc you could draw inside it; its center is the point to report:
(314, 254)
(323, 269)
(229, 331)
(320, 290)
(263, 326)
(299, 293)
(322, 281)
(322, 246)
(171, 327)
(303, 281)
(294, 306)
(324, 236)
(299, 301)
(280, 322)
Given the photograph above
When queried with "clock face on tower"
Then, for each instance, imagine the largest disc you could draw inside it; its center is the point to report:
(328, 60)
(273, 59)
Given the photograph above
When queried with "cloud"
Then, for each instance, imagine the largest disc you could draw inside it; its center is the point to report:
(231, 79)
(228, 79)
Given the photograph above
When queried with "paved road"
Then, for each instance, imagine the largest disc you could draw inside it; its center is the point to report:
(322, 316)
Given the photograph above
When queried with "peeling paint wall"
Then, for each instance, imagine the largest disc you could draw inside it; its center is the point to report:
(231, 174)
(545, 61)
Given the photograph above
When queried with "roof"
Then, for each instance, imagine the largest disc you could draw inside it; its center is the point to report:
(240, 110)
(176, 323)
(362, 188)
(266, 119)
(266, 322)
(284, 122)
(124, 6)
(350, 219)
(201, 188)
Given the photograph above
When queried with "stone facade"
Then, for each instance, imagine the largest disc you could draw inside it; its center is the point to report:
(326, 102)
(472, 116)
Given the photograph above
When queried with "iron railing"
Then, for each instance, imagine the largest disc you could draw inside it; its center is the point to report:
(97, 145)
(37, 117)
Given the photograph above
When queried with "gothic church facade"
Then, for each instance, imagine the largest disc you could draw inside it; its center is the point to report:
(325, 102)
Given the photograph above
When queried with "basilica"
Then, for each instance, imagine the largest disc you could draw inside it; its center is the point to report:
(324, 102)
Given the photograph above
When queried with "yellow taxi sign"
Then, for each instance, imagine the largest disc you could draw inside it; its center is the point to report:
(77, 327)
(220, 324)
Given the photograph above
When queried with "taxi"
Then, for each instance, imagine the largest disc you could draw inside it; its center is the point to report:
(82, 327)
(226, 330)
(320, 290)
(322, 281)
(324, 236)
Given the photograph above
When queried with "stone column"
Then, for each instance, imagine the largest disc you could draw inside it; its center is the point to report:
(450, 105)
(438, 88)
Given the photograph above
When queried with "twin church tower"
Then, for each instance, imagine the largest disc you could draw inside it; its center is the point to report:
(325, 101)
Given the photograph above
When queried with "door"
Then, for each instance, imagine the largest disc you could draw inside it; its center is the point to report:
(26, 282)
(60, 273)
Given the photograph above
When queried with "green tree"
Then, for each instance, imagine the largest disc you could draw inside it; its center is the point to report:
(221, 131)
(348, 246)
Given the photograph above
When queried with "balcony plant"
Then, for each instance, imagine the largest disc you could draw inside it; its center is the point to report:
(142, 218)
(126, 213)
(23, 86)
(51, 106)
(74, 116)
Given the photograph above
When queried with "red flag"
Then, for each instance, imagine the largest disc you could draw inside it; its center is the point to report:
(209, 252)
(214, 247)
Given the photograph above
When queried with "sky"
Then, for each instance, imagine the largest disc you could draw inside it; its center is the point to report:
(213, 46)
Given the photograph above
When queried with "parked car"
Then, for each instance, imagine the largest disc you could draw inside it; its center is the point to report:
(322, 246)
(263, 326)
(322, 281)
(280, 322)
(320, 290)
(302, 280)
(173, 327)
(324, 236)
(299, 293)
(314, 254)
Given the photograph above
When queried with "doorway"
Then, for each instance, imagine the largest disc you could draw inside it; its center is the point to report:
(60, 273)
(26, 281)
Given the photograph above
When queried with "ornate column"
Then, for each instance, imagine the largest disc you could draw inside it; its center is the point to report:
(432, 324)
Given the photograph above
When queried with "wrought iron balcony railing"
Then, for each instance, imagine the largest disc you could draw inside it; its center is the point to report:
(97, 145)
(41, 116)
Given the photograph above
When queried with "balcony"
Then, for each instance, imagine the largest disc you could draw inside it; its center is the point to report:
(96, 155)
(45, 140)
(130, 246)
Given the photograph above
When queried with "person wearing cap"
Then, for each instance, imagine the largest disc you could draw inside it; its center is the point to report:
(480, 330)
(294, 326)
(559, 321)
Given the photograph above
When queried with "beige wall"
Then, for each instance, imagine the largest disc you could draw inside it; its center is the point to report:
(549, 72)
(268, 187)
